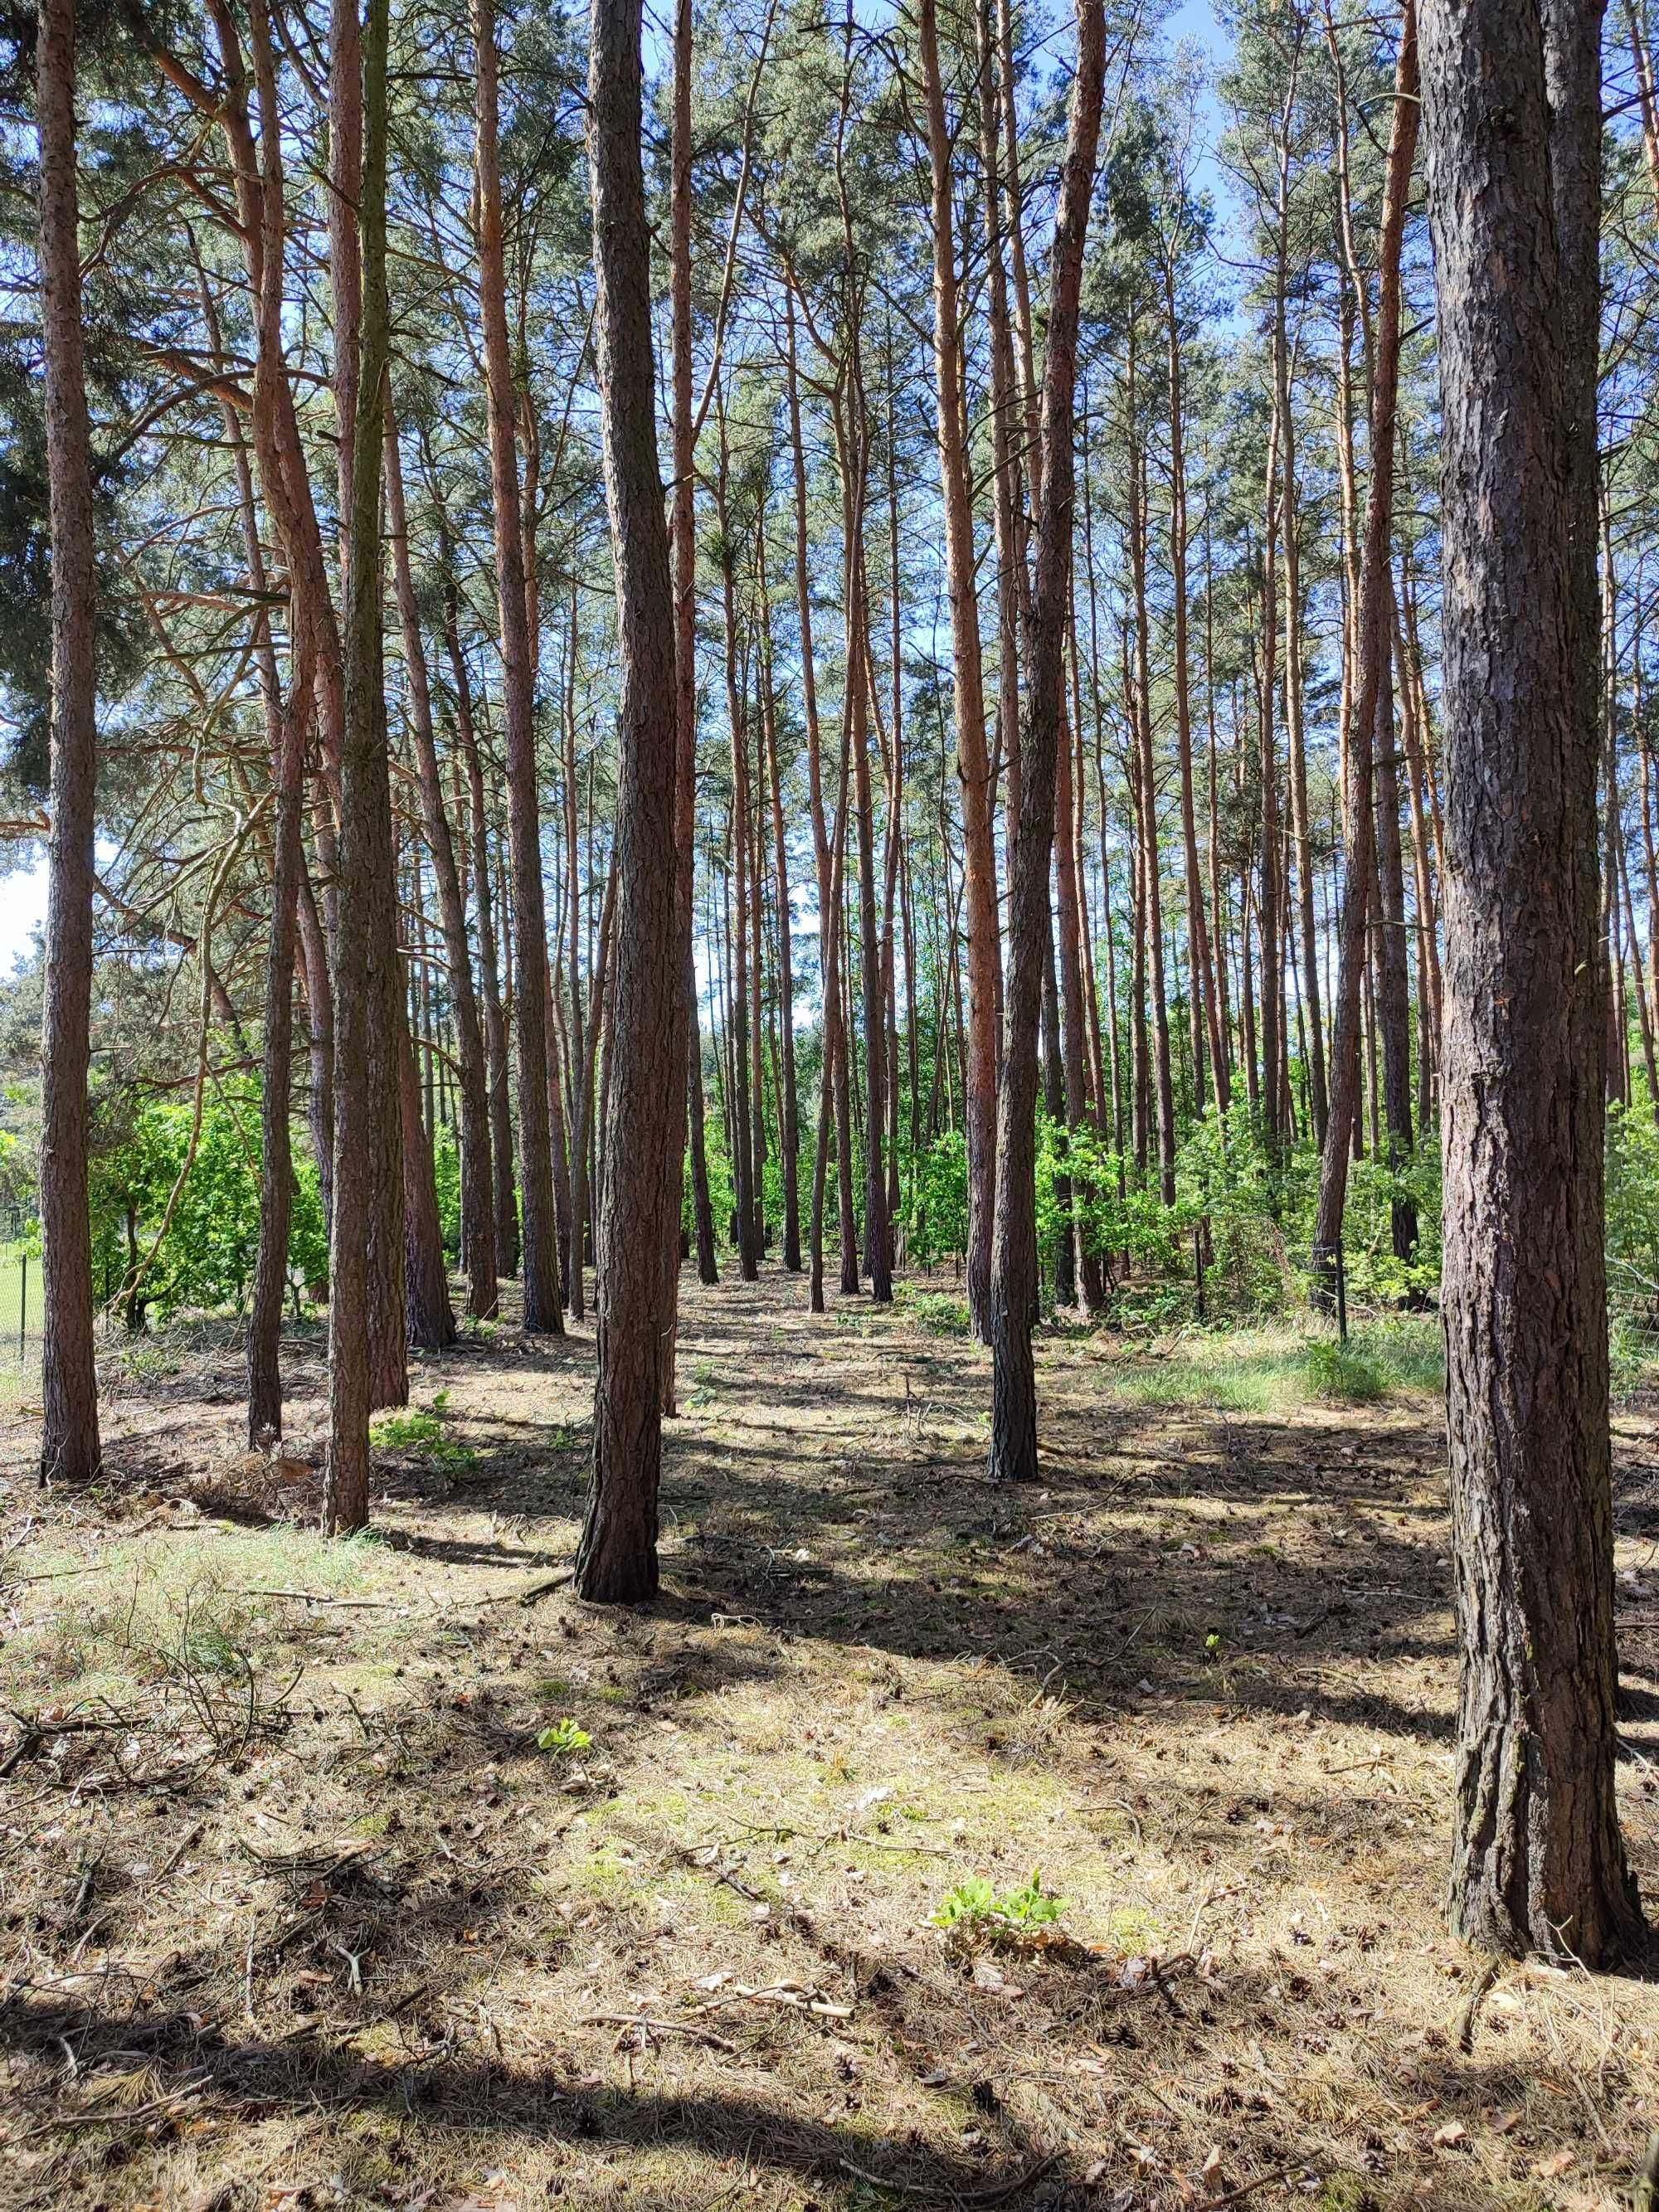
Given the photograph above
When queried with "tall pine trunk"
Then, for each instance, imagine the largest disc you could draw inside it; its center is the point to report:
(1511, 107)
(639, 1194)
(1372, 630)
(367, 975)
(68, 1436)
(973, 758)
(1014, 1247)
(539, 1226)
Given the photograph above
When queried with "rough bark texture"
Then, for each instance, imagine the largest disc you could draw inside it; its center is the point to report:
(638, 1208)
(1014, 1251)
(1511, 116)
(68, 1436)
(364, 977)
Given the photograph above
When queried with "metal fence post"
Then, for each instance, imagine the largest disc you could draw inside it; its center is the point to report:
(23, 1310)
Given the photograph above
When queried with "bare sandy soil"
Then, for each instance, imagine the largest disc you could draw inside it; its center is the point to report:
(296, 1911)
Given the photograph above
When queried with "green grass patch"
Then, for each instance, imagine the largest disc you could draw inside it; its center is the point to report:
(936, 1311)
(1275, 1370)
(167, 1606)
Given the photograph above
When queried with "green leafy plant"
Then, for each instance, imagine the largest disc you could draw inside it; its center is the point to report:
(563, 1738)
(973, 1912)
(421, 1431)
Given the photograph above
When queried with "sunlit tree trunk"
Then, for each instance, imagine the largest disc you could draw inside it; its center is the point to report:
(366, 970)
(972, 760)
(639, 1194)
(69, 1450)
(1014, 1251)
(1512, 114)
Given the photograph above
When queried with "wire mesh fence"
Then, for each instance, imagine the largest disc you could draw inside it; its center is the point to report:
(21, 1308)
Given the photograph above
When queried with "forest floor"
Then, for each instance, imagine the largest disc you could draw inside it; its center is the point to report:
(297, 1912)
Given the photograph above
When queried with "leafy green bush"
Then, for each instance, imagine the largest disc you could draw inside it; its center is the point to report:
(206, 1258)
(936, 1215)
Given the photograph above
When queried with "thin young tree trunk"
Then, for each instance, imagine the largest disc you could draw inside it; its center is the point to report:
(1198, 928)
(494, 1022)
(431, 1318)
(984, 944)
(286, 725)
(789, 1135)
(743, 1153)
(757, 844)
(582, 1123)
(1376, 585)
(639, 1194)
(1511, 99)
(1013, 1453)
(70, 1449)
(1393, 982)
(874, 998)
(540, 1225)
(685, 1107)
(477, 1194)
(1151, 866)
(1075, 1051)
(1428, 949)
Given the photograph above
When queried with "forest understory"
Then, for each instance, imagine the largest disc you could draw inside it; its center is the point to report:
(383, 1873)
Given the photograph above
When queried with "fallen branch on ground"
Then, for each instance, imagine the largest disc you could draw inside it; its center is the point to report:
(657, 2027)
(993, 2196)
(531, 1591)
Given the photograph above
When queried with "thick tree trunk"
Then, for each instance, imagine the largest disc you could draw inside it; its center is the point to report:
(388, 1344)
(70, 1449)
(1511, 103)
(639, 1197)
(1014, 1253)
(366, 975)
